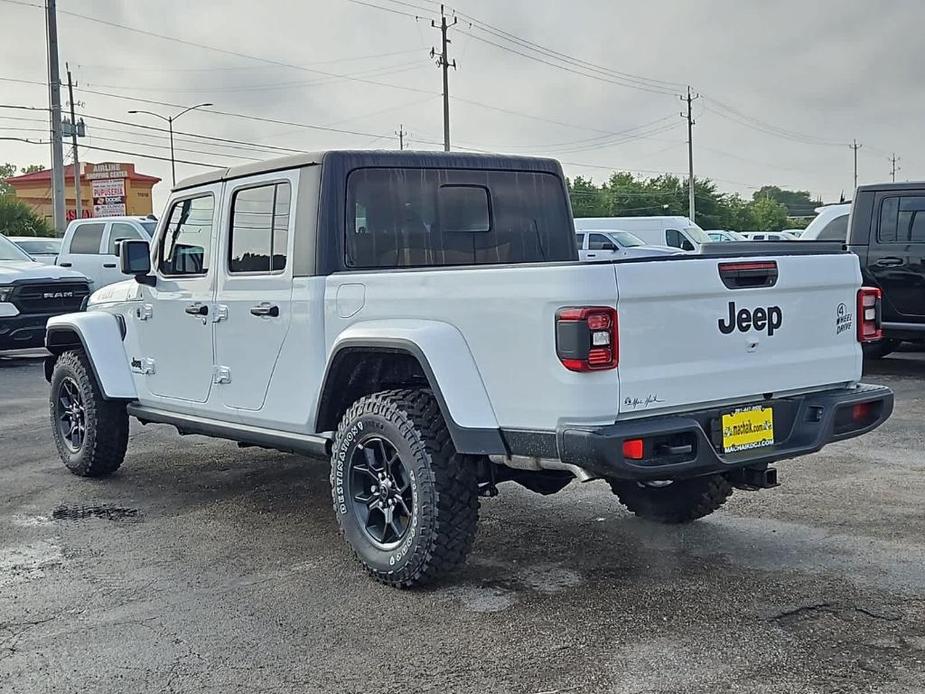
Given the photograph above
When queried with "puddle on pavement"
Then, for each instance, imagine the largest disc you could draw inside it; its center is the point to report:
(104, 512)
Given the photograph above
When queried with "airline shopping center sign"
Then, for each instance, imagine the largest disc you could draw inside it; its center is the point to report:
(108, 189)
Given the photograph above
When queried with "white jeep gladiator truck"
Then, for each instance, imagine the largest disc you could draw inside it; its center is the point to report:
(423, 320)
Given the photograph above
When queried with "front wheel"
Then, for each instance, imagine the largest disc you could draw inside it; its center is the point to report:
(91, 433)
(406, 502)
(680, 501)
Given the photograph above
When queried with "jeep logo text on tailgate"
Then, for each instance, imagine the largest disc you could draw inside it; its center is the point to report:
(769, 319)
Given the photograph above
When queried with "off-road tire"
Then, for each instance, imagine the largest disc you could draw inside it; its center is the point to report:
(879, 349)
(682, 501)
(445, 503)
(106, 421)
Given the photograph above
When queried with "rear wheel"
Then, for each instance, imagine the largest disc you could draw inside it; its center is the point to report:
(405, 501)
(91, 433)
(680, 501)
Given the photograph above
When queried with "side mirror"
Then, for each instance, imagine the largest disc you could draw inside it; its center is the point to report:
(135, 259)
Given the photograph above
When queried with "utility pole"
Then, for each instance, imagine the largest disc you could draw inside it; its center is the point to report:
(401, 132)
(690, 98)
(77, 193)
(855, 146)
(444, 63)
(893, 167)
(54, 104)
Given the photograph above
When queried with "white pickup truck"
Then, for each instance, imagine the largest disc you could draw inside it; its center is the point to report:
(422, 319)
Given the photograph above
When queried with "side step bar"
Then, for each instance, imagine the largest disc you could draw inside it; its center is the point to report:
(318, 446)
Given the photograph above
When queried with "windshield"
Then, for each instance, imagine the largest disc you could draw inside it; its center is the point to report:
(697, 234)
(626, 239)
(149, 227)
(10, 251)
(40, 246)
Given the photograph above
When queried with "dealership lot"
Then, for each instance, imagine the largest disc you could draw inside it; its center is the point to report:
(201, 566)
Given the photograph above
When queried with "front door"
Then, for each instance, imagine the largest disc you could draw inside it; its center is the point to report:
(175, 318)
(896, 255)
(254, 295)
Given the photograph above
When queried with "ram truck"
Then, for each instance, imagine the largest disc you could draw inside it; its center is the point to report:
(423, 321)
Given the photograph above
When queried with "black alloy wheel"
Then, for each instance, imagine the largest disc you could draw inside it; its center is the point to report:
(71, 415)
(380, 490)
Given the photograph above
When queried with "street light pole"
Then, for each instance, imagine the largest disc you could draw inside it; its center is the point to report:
(170, 120)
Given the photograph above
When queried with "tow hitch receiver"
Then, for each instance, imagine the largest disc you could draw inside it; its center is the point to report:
(752, 479)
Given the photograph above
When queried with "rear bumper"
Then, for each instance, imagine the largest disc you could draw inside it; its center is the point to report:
(24, 331)
(690, 444)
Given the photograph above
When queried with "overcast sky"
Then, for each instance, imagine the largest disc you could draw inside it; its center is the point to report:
(786, 85)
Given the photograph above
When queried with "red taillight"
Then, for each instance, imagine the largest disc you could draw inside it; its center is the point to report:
(633, 449)
(869, 314)
(587, 338)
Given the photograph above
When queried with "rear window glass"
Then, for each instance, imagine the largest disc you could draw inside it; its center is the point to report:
(836, 230)
(902, 220)
(87, 238)
(424, 217)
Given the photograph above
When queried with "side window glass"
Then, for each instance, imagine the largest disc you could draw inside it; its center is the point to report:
(598, 242)
(673, 238)
(87, 238)
(119, 232)
(835, 230)
(889, 209)
(580, 240)
(185, 247)
(259, 228)
(686, 245)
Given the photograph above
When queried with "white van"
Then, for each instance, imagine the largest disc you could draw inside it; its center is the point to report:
(91, 246)
(678, 232)
(830, 223)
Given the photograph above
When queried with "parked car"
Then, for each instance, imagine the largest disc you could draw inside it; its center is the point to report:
(887, 232)
(423, 320)
(829, 224)
(768, 236)
(723, 235)
(677, 232)
(41, 248)
(30, 293)
(607, 245)
(91, 246)
(794, 232)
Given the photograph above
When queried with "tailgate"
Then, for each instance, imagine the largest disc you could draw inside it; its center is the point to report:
(680, 348)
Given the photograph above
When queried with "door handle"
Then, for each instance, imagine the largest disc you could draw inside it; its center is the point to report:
(265, 309)
(109, 265)
(889, 262)
(591, 255)
(66, 264)
(197, 309)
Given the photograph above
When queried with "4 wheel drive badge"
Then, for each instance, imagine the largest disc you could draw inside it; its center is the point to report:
(843, 319)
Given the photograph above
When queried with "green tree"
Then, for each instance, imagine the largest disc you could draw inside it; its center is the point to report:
(799, 203)
(18, 219)
(6, 170)
(587, 199)
(31, 168)
(767, 215)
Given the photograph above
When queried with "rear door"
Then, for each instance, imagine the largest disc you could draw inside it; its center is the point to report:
(896, 255)
(690, 335)
(254, 297)
(82, 251)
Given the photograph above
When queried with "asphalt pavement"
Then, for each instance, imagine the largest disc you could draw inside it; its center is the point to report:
(204, 567)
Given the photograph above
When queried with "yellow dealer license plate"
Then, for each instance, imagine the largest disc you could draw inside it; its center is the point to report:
(747, 428)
